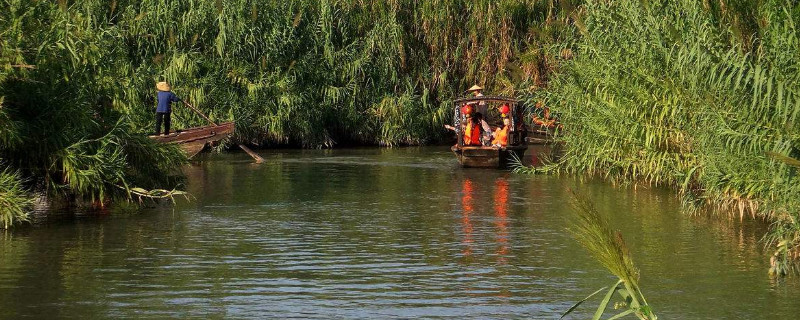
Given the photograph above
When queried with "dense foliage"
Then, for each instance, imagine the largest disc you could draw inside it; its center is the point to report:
(310, 73)
(703, 96)
(13, 199)
(78, 76)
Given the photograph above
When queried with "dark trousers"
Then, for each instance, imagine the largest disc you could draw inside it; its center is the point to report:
(165, 117)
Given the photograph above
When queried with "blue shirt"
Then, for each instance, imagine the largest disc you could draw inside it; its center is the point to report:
(165, 100)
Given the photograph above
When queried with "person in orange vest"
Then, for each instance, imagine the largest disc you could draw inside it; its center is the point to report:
(475, 128)
(501, 134)
(473, 131)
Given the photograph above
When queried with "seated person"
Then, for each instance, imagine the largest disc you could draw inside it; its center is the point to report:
(486, 130)
(501, 134)
(474, 132)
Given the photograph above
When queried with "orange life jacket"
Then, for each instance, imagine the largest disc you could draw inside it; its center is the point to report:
(472, 135)
(501, 136)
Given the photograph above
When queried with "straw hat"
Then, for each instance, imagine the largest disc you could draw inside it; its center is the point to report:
(475, 88)
(163, 86)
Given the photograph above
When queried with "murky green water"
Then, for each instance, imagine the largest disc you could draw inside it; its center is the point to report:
(375, 233)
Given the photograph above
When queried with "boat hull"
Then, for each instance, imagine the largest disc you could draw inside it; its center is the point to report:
(487, 157)
(194, 140)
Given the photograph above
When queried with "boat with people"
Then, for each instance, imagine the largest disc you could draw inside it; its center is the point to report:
(490, 131)
(192, 140)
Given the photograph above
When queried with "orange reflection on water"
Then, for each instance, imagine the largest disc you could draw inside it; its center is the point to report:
(467, 201)
(501, 218)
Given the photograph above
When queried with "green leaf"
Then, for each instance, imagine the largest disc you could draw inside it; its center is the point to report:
(139, 190)
(606, 300)
(582, 301)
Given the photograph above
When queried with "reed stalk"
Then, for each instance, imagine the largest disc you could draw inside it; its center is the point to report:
(593, 231)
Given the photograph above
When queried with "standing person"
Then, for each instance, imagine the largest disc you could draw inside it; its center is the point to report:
(164, 110)
(477, 91)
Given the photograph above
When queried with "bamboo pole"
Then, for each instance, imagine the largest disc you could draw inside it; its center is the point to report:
(198, 112)
(252, 154)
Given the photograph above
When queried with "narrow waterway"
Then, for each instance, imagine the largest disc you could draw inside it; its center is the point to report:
(379, 233)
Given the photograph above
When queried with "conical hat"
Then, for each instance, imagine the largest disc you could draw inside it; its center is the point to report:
(475, 88)
(163, 86)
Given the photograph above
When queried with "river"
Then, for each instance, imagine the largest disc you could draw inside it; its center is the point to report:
(379, 233)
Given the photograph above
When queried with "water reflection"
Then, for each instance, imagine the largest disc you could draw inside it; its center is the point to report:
(467, 209)
(501, 218)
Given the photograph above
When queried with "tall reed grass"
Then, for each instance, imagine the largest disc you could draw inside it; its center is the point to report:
(699, 95)
(307, 73)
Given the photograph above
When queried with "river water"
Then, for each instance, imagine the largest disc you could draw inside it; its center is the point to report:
(379, 233)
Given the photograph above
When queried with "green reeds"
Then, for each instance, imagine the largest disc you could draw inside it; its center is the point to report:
(14, 199)
(305, 73)
(593, 231)
(692, 95)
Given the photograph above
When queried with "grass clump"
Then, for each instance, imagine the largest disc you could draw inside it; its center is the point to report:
(14, 200)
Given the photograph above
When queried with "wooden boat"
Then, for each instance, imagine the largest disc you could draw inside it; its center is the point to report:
(488, 156)
(193, 140)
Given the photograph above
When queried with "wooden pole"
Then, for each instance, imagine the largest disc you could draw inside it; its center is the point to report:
(198, 112)
(252, 154)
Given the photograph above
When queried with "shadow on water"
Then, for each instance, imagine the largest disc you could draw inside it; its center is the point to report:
(378, 233)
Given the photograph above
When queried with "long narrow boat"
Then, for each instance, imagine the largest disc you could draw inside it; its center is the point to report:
(488, 156)
(193, 140)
